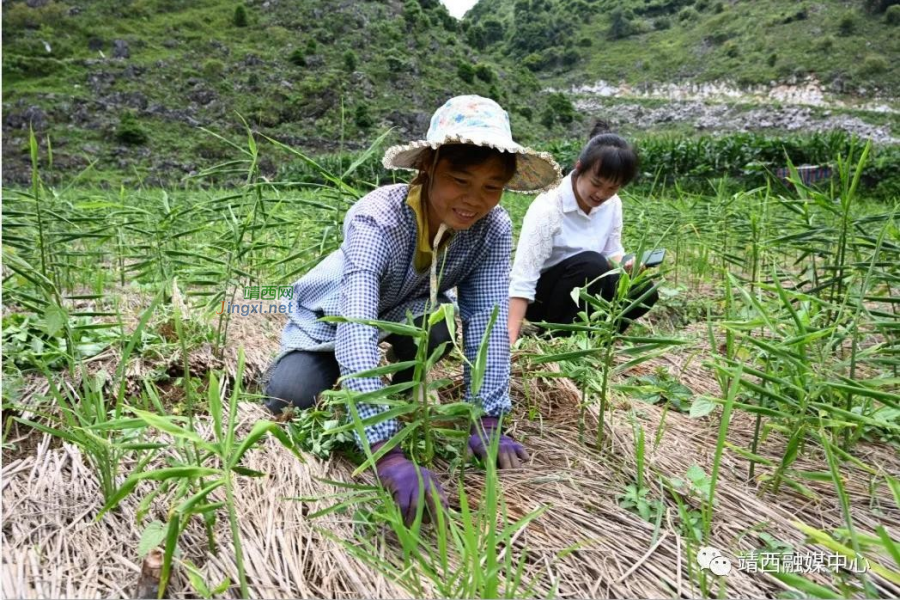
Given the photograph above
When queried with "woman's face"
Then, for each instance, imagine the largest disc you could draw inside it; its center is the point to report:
(461, 196)
(591, 190)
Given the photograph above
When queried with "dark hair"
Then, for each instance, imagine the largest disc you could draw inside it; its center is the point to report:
(461, 156)
(600, 126)
(609, 156)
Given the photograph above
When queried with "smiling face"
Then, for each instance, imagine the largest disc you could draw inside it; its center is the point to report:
(461, 195)
(592, 189)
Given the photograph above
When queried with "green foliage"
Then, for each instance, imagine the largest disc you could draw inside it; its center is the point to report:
(311, 46)
(362, 118)
(687, 14)
(350, 60)
(130, 131)
(585, 41)
(466, 71)
(847, 23)
(561, 108)
(825, 43)
(773, 58)
(21, 16)
(298, 57)
(662, 23)
(212, 68)
(485, 72)
(873, 64)
(731, 49)
(892, 15)
(240, 16)
(621, 24)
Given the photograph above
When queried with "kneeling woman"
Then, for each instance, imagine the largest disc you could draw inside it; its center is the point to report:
(571, 236)
(382, 269)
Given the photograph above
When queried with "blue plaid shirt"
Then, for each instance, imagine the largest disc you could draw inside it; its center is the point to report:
(372, 276)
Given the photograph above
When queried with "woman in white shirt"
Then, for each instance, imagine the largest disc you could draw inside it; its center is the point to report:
(571, 235)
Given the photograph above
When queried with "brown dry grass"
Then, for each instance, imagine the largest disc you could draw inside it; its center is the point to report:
(585, 544)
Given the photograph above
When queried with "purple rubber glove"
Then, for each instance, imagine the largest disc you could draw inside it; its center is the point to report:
(398, 475)
(509, 451)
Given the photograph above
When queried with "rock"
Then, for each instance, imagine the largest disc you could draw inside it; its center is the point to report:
(170, 43)
(202, 96)
(314, 61)
(133, 72)
(120, 49)
(74, 11)
(252, 60)
(95, 44)
(33, 116)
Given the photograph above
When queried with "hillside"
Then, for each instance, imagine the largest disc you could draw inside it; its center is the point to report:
(129, 84)
(127, 87)
(849, 46)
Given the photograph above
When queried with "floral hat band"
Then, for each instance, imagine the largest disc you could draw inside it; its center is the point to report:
(481, 122)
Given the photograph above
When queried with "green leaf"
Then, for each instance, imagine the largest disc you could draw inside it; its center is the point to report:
(166, 425)
(157, 475)
(804, 585)
(54, 319)
(196, 578)
(152, 536)
(701, 407)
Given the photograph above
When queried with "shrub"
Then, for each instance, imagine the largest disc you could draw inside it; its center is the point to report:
(298, 57)
(20, 15)
(892, 15)
(621, 24)
(130, 131)
(570, 56)
(688, 13)
(240, 16)
(662, 23)
(731, 49)
(874, 64)
(773, 58)
(212, 68)
(847, 23)
(718, 8)
(585, 42)
(562, 107)
(466, 72)
(350, 60)
(362, 118)
(533, 62)
(826, 43)
(484, 72)
(527, 112)
(701, 4)
(311, 46)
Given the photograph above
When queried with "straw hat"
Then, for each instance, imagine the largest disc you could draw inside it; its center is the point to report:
(481, 122)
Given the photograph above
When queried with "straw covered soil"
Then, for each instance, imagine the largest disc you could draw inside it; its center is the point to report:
(583, 545)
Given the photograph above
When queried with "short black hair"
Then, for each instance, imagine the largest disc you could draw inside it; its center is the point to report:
(600, 127)
(461, 156)
(609, 156)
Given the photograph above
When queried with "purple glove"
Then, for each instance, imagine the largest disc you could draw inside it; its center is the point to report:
(509, 451)
(398, 475)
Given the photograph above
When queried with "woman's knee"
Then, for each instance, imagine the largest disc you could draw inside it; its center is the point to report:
(591, 264)
(299, 378)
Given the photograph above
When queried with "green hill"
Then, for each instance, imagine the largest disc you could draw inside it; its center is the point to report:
(129, 83)
(126, 86)
(850, 46)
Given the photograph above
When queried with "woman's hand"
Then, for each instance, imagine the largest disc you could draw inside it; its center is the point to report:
(517, 308)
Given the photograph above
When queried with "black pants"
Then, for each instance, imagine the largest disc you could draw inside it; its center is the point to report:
(552, 300)
(299, 377)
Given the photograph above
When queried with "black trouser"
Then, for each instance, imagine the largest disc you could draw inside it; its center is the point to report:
(299, 377)
(553, 302)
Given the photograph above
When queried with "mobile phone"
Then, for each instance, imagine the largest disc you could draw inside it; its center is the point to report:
(654, 258)
(651, 258)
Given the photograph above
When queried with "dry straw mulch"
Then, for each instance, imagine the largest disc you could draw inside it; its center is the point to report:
(584, 545)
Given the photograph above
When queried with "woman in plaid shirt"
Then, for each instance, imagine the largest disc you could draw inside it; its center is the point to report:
(382, 270)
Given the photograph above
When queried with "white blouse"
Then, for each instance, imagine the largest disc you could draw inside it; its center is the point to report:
(555, 228)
